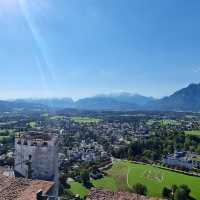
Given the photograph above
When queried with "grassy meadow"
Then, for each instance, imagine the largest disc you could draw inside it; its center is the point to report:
(123, 175)
(195, 132)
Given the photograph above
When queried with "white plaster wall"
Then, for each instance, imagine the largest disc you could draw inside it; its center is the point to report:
(44, 160)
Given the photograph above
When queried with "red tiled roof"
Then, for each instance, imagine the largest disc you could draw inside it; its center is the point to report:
(21, 189)
(99, 194)
(35, 186)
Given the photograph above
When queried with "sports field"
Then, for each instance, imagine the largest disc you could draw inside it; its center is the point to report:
(123, 175)
(154, 178)
(169, 122)
(57, 117)
(106, 182)
(195, 132)
(85, 120)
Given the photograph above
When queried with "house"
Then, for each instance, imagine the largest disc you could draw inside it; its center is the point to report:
(24, 189)
(183, 159)
(195, 158)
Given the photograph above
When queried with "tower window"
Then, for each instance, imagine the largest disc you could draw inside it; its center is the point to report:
(45, 143)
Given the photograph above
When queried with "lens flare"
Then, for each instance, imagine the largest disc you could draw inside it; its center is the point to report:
(43, 61)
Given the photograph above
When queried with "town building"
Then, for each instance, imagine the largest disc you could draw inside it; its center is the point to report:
(183, 159)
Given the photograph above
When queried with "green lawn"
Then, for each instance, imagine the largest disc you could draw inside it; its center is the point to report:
(44, 115)
(78, 188)
(154, 178)
(196, 133)
(106, 182)
(83, 120)
(6, 134)
(57, 117)
(150, 122)
(33, 124)
(169, 122)
(123, 175)
(2, 138)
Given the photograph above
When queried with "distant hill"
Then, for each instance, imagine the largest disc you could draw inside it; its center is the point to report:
(186, 99)
(4, 106)
(53, 102)
(122, 101)
(18, 104)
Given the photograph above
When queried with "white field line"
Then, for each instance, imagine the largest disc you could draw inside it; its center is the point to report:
(127, 177)
(159, 179)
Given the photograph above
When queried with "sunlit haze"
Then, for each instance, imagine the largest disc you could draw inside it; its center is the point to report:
(82, 48)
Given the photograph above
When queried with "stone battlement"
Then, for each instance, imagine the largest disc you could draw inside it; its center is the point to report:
(35, 138)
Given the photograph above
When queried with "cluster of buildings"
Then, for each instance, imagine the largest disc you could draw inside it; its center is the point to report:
(87, 152)
(183, 159)
(113, 132)
(121, 128)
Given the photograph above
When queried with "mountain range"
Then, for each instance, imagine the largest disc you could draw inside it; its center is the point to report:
(121, 101)
(186, 99)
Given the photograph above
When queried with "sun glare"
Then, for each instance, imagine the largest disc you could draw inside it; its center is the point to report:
(9, 5)
(8, 2)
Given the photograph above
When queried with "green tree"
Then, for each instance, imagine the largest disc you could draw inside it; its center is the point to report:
(138, 188)
(130, 153)
(173, 189)
(85, 177)
(180, 194)
(186, 189)
(67, 195)
(198, 149)
(166, 192)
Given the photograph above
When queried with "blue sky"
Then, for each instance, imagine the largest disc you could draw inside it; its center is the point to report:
(85, 47)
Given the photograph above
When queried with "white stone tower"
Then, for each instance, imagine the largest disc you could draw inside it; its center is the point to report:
(36, 156)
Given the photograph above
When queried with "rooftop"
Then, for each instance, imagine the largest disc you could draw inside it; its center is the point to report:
(21, 189)
(37, 135)
(196, 158)
(99, 194)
